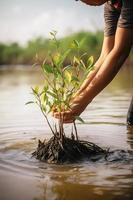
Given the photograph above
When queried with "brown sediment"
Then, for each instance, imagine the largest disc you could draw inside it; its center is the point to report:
(67, 151)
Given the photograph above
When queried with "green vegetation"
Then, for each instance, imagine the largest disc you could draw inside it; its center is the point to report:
(60, 86)
(15, 54)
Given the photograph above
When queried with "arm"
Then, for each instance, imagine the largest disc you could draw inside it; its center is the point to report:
(108, 70)
(108, 44)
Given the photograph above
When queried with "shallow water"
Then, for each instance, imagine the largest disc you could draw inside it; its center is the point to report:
(23, 177)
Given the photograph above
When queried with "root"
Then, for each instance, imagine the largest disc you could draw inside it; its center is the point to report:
(66, 151)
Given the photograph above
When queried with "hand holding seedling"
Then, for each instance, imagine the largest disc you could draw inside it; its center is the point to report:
(63, 94)
(77, 106)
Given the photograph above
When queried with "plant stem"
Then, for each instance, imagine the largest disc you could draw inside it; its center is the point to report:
(75, 128)
(48, 122)
(40, 106)
(61, 128)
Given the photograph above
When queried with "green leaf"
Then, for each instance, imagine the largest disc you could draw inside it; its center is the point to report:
(29, 102)
(36, 89)
(84, 54)
(45, 88)
(47, 68)
(74, 78)
(53, 33)
(44, 61)
(79, 119)
(90, 62)
(76, 43)
(44, 108)
(89, 70)
(76, 60)
(68, 76)
(64, 56)
(82, 63)
(44, 98)
(52, 94)
(57, 72)
(67, 67)
(81, 43)
(50, 106)
(57, 59)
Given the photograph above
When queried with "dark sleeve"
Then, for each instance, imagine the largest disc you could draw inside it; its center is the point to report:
(111, 17)
(126, 16)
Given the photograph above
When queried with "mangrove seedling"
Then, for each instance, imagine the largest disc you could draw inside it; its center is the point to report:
(61, 82)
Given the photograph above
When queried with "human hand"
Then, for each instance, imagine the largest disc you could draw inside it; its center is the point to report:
(67, 116)
(77, 106)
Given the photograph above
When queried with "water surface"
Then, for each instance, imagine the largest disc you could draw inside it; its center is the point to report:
(23, 177)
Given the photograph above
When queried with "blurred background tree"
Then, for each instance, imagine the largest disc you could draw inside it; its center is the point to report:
(15, 54)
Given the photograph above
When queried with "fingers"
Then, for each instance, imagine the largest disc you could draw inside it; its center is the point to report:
(67, 116)
(64, 115)
(68, 121)
(58, 115)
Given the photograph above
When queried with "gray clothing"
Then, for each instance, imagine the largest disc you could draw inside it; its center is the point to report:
(122, 18)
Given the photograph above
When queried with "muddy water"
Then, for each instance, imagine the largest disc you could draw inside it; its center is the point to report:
(24, 178)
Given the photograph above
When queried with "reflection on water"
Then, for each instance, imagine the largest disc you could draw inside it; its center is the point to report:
(21, 126)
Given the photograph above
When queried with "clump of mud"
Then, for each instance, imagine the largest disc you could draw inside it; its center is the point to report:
(68, 150)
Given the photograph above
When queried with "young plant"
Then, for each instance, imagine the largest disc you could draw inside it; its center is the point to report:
(61, 82)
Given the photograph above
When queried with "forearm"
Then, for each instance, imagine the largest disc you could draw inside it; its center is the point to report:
(106, 73)
(108, 44)
(91, 75)
(111, 65)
